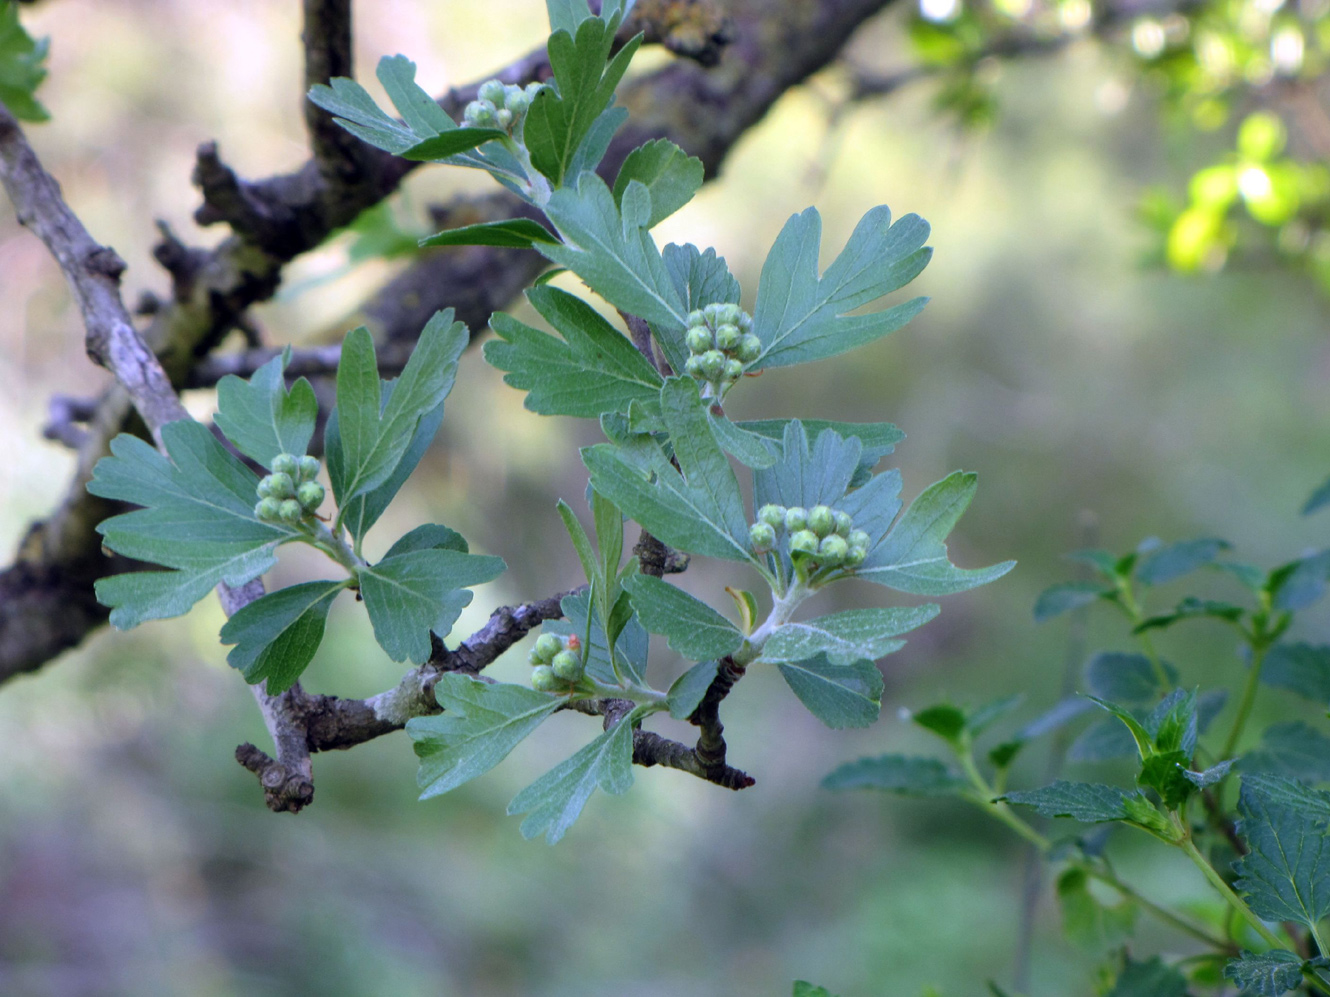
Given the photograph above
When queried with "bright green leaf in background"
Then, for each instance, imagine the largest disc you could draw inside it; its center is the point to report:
(21, 69)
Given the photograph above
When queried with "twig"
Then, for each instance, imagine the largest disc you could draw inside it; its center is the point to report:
(93, 274)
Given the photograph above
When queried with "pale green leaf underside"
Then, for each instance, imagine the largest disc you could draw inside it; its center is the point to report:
(854, 635)
(555, 800)
(481, 724)
(840, 696)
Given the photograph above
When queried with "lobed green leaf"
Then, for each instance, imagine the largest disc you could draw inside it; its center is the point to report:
(277, 635)
(261, 417)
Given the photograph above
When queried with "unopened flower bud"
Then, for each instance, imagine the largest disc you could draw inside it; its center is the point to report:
(310, 495)
(833, 549)
(517, 101)
(266, 510)
(712, 312)
(733, 370)
(543, 680)
(289, 511)
(772, 515)
(281, 486)
(693, 367)
(478, 113)
(729, 313)
(492, 91)
(843, 523)
(503, 117)
(713, 364)
(796, 518)
(309, 468)
(696, 317)
(264, 488)
(857, 538)
(763, 537)
(745, 321)
(567, 666)
(821, 520)
(804, 541)
(698, 339)
(285, 463)
(727, 336)
(547, 646)
(855, 556)
(750, 348)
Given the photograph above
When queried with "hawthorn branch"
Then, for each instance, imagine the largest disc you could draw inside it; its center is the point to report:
(46, 603)
(93, 274)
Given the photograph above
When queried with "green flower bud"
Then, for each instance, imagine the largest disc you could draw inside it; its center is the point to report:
(712, 312)
(745, 321)
(855, 556)
(796, 518)
(493, 91)
(543, 680)
(309, 468)
(729, 313)
(264, 488)
(289, 511)
(733, 370)
(693, 368)
(503, 117)
(310, 495)
(696, 318)
(285, 463)
(478, 113)
(547, 646)
(698, 339)
(519, 103)
(713, 364)
(281, 486)
(727, 336)
(750, 348)
(833, 550)
(267, 509)
(857, 538)
(821, 520)
(534, 657)
(763, 537)
(804, 541)
(567, 666)
(843, 523)
(772, 515)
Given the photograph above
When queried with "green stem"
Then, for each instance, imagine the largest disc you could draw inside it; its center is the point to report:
(982, 797)
(1109, 878)
(1248, 700)
(336, 547)
(1312, 977)
(1133, 610)
(1234, 901)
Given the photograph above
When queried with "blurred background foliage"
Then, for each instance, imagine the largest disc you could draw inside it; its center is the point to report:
(1101, 394)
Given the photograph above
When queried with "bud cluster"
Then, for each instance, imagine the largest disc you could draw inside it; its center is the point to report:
(290, 493)
(558, 662)
(721, 344)
(821, 537)
(498, 105)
